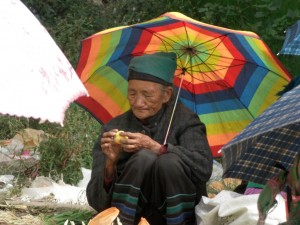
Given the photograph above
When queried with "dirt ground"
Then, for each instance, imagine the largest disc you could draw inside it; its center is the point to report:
(15, 212)
(12, 218)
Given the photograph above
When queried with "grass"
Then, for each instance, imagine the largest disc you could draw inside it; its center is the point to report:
(78, 217)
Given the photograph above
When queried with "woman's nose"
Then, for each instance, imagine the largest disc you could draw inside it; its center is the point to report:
(139, 101)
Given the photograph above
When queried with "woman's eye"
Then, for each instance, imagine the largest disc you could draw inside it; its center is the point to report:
(148, 96)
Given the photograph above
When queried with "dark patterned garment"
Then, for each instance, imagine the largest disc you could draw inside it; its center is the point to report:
(162, 188)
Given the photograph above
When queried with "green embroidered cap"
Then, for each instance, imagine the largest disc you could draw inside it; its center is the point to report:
(161, 65)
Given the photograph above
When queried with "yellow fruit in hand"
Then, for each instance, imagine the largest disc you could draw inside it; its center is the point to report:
(118, 137)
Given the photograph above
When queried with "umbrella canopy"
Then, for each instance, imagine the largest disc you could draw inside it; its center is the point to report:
(228, 77)
(268, 144)
(291, 45)
(37, 80)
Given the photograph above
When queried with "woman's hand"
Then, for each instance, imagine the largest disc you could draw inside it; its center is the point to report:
(109, 147)
(137, 141)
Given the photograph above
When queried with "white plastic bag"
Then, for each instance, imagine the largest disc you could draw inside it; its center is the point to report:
(45, 188)
(230, 208)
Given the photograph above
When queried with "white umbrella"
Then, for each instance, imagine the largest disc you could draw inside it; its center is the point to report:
(36, 78)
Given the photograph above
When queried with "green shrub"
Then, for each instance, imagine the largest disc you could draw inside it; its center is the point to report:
(69, 148)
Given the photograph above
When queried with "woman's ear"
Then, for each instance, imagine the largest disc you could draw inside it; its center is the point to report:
(167, 94)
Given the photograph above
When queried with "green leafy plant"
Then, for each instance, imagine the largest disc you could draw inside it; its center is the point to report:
(77, 216)
(69, 148)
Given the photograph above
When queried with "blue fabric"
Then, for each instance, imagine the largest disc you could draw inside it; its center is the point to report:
(291, 45)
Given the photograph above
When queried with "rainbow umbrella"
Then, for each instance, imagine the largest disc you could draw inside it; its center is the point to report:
(228, 77)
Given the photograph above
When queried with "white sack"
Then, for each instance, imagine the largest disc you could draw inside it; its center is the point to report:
(230, 208)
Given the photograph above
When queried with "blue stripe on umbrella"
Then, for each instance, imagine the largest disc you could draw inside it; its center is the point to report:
(222, 106)
(250, 90)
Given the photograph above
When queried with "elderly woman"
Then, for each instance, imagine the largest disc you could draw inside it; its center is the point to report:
(138, 173)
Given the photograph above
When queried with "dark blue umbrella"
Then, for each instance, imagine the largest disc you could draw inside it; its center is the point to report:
(268, 144)
(291, 45)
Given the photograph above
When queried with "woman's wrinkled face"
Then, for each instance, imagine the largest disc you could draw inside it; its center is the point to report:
(146, 98)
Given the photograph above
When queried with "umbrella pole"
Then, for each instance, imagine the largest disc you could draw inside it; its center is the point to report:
(176, 100)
